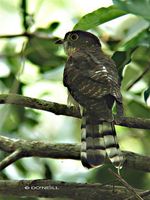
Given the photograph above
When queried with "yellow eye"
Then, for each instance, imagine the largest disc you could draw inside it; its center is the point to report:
(74, 37)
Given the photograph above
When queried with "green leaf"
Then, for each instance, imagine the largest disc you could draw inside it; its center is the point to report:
(146, 94)
(130, 73)
(13, 62)
(142, 57)
(136, 35)
(22, 169)
(44, 53)
(121, 59)
(98, 17)
(14, 119)
(32, 117)
(141, 39)
(137, 7)
(50, 28)
(138, 109)
(53, 26)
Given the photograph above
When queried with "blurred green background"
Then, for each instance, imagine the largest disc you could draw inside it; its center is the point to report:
(38, 71)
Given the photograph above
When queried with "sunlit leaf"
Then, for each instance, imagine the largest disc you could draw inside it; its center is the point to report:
(98, 17)
(137, 7)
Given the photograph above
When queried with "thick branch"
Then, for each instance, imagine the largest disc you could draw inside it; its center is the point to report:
(60, 109)
(63, 151)
(57, 189)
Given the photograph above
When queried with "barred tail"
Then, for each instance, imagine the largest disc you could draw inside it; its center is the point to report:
(97, 141)
(93, 151)
(111, 144)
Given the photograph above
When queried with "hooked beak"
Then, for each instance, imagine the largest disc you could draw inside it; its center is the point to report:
(59, 41)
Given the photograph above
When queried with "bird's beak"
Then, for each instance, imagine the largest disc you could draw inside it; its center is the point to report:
(59, 41)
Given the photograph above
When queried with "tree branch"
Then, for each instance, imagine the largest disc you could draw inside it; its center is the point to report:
(60, 151)
(27, 34)
(16, 155)
(57, 189)
(61, 109)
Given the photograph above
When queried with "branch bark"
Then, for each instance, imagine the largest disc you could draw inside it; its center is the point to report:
(61, 109)
(69, 191)
(59, 151)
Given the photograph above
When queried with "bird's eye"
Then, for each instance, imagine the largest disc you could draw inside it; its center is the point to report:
(74, 37)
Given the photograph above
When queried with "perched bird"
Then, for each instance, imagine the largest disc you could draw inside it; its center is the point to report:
(93, 84)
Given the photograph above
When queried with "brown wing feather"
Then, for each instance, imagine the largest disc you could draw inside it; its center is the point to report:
(92, 81)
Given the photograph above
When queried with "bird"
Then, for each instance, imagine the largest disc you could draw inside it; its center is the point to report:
(93, 84)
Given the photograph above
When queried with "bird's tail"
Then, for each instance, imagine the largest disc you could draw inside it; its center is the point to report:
(97, 142)
(111, 144)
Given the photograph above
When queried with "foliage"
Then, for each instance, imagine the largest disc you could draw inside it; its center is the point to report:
(136, 7)
(98, 17)
(44, 53)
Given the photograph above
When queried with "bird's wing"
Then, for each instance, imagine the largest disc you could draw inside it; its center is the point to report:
(91, 79)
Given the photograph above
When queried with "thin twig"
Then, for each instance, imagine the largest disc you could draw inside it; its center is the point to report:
(145, 193)
(138, 78)
(142, 194)
(16, 155)
(24, 34)
(123, 182)
(27, 34)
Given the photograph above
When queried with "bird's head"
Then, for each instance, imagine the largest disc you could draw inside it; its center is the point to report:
(79, 40)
